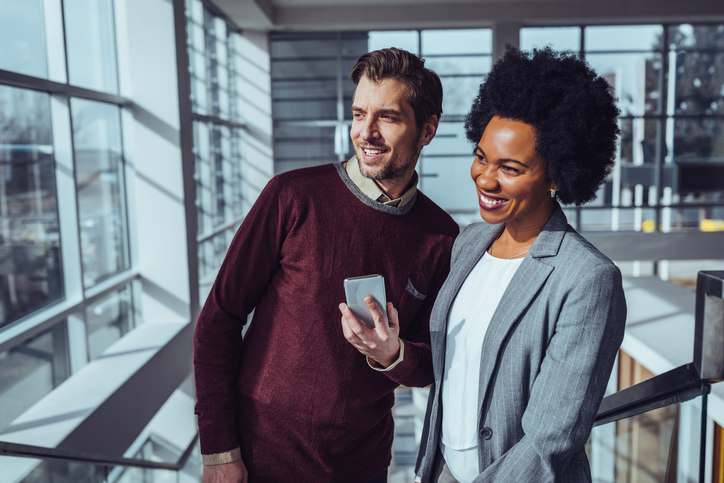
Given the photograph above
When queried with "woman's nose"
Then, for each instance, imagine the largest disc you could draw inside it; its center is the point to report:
(485, 177)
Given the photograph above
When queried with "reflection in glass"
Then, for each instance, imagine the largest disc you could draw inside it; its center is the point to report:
(30, 273)
(31, 370)
(91, 44)
(636, 78)
(560, 39)
(699, 82)
(99, 181)
(639, 141)
(202, 175)
(211, 254)
(22, 37)
(641, 448)
(107, 320)
(704, 37)
(68, 471)
(699, 139)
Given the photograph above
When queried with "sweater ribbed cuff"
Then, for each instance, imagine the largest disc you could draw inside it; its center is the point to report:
(221, 458)
(374, 365)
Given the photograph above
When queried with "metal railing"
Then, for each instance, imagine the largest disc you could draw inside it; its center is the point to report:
(685, 382)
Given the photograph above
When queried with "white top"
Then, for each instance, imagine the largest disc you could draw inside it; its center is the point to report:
(468, 320)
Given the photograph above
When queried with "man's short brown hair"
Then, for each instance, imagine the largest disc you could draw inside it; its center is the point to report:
(424, 89)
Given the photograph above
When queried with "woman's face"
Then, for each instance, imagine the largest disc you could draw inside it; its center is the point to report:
(510, 176)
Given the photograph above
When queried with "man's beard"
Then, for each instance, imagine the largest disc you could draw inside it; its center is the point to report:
(388, 171)
(391, 170)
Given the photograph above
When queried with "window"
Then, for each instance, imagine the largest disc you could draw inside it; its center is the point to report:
(107, 320)
(217, 93)
(31, 370)
(23, 38)
(30, 265)
(312, 95)
(99, 183)
(90, 35)
(670, 89)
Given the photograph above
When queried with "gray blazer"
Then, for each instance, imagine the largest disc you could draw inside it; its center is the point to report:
(546, 357)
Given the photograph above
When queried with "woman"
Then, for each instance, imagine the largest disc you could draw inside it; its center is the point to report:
(526, 328)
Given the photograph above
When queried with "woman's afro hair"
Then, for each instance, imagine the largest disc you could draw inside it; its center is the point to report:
(571, 108)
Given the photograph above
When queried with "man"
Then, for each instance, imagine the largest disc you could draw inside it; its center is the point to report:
(294, 401)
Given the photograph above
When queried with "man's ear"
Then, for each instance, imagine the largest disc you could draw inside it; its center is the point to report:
(428, 130)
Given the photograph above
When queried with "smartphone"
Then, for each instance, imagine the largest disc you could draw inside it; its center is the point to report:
(357, 289)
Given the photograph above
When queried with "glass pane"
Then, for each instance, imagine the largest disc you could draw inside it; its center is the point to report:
(202, 155)
(30, 266)
(99, 181)
(303, 143)
(31, 370)
(458, 41)
(560, 39)
(459, 95)
(707, 37)
(107, 320)
(623, 38)
(635, 78)
(655, 446)
(699, 83)
(402, 39)
(91, 41)
(67, 471)
(699, 139)
(22, 36)
(211, 254)
(639, 142)
(292, 46)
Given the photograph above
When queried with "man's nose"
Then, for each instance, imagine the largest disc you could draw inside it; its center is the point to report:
(370, 129)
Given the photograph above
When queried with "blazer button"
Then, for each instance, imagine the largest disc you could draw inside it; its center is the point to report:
(486, 432)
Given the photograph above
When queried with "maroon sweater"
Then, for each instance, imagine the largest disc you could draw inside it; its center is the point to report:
(299, 400)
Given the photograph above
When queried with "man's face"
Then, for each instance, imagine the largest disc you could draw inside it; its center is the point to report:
(384, 133)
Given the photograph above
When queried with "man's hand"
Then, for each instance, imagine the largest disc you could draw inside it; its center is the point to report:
(381, 344)
(227, 473)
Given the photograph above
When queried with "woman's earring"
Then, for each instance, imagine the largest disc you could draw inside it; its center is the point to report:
(553, 193)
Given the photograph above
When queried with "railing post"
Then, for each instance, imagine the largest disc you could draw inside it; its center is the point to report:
(705, 389)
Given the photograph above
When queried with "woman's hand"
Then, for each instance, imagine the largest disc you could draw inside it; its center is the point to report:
(381, 344)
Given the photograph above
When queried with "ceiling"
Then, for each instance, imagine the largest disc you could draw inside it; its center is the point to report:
(283, 15)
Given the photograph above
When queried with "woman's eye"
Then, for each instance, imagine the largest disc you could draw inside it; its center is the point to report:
(511, 170)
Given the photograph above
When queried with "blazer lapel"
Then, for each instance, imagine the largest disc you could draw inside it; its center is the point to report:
(524, 286)
(471, 254)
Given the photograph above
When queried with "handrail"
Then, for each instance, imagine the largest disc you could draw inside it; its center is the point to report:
(40, 452)
(687, 381)
(675, 386)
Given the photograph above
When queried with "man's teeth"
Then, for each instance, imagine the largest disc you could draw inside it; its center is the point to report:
(371, 152)
(489, 201)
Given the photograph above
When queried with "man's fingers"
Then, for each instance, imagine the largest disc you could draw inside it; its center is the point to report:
(392, 316)
(351, 327)
(378, 316)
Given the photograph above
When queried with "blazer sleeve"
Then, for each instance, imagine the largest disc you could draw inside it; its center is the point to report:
(567, 392)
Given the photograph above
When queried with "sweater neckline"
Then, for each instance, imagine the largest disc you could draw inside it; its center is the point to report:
(354, 189)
